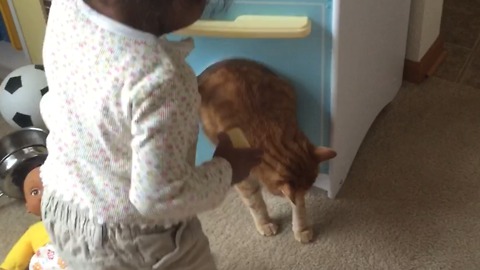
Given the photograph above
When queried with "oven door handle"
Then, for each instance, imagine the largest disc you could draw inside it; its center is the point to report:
(251, 26)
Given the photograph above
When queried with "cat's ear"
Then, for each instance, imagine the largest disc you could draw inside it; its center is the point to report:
(288, 192)
(324, 153)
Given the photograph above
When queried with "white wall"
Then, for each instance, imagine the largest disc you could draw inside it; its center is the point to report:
(424, 28)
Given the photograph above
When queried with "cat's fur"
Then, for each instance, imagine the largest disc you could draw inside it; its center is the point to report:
(246, 94)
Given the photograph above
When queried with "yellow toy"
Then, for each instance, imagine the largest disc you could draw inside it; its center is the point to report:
(238, 138)
(32, 250)
(8, 19)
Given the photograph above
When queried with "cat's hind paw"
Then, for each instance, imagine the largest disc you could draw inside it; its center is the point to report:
(267, 229)
(304, 236)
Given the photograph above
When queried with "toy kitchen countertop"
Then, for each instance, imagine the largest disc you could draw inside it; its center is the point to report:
(345, 59)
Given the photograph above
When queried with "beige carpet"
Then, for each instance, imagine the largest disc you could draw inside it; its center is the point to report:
(411, 201)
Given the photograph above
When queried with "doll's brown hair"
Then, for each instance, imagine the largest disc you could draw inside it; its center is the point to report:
(21, 172)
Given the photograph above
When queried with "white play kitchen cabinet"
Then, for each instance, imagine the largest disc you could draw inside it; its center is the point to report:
(345, 58)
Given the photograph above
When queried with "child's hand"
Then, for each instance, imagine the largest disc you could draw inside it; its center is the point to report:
(242, 160)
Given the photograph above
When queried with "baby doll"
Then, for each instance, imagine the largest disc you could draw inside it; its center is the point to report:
(32, 251)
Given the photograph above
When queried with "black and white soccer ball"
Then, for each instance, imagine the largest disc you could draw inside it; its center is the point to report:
(20, 95)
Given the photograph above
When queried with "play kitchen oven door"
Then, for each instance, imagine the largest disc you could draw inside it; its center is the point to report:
(291, 37)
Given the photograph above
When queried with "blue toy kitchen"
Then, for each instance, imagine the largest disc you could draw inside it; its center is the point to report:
(344, 57)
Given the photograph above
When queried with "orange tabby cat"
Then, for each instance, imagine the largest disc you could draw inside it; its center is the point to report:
(245, 94)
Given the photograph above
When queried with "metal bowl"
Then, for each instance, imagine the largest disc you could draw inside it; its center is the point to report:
(16, 149)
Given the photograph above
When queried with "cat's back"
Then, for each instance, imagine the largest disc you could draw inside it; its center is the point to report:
(244, 81)
(246, 94)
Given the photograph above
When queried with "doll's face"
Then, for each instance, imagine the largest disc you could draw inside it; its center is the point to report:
(33, 190)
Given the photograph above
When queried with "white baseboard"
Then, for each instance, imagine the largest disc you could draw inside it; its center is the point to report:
(323, 182)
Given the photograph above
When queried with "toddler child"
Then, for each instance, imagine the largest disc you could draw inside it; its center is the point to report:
(121, 190)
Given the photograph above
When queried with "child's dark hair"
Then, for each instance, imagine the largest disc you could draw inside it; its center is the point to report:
(213, 6)
(21, 172)
(216, 6)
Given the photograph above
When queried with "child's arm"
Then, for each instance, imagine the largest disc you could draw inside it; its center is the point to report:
(164, 185)
(21, 253)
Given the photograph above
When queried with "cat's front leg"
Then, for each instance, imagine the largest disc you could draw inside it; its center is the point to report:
(301, 229)
(251, 194)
